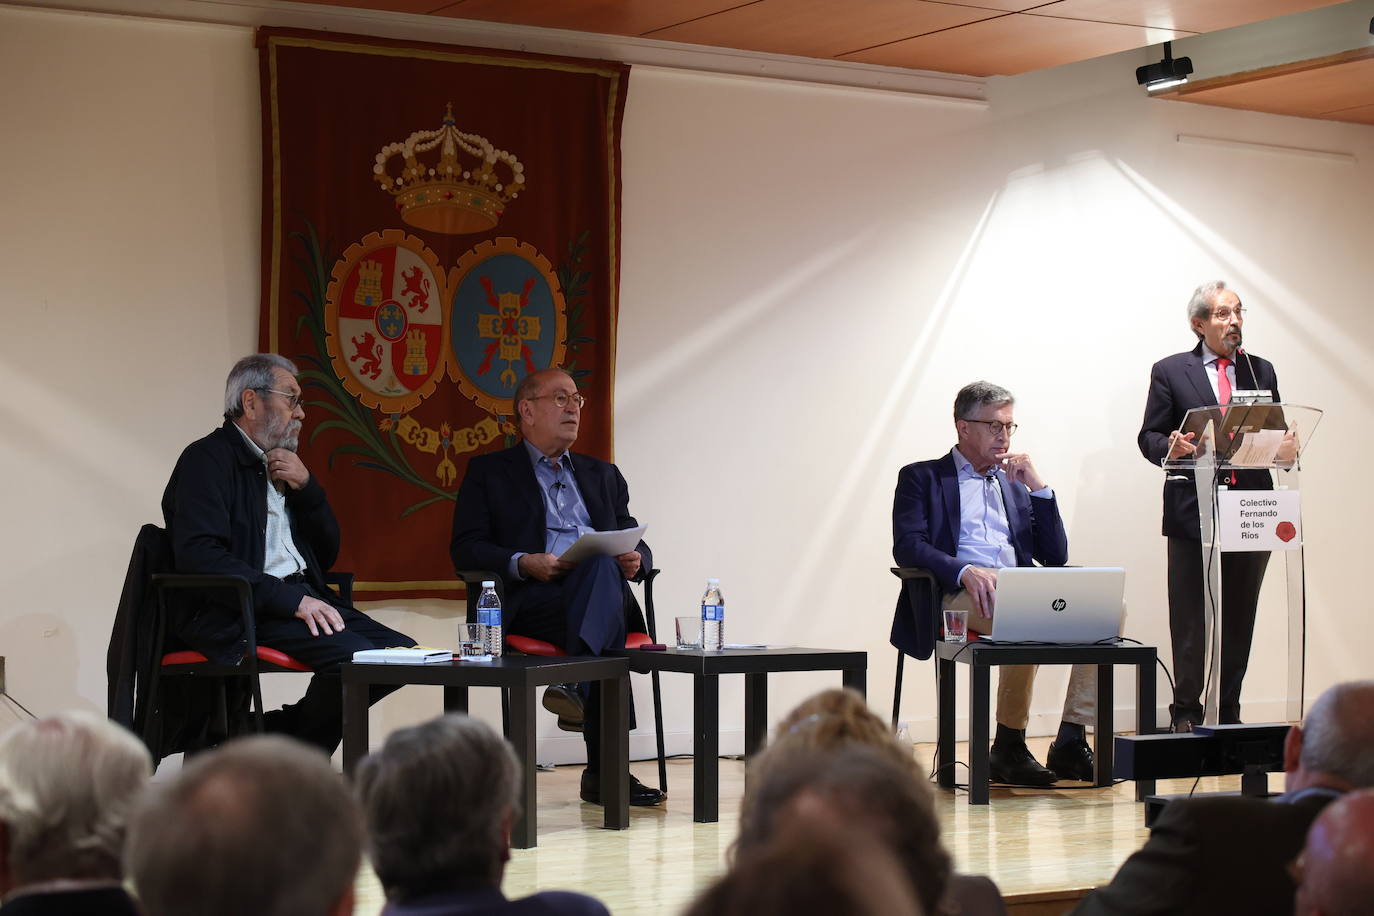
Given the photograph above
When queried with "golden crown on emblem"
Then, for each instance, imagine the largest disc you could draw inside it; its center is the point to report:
(466, 190)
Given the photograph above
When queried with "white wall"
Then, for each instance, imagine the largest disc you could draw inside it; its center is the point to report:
(809, 275)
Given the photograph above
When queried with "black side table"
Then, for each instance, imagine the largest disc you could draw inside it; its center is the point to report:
(755, 664)
(982, 657)
(521, 675)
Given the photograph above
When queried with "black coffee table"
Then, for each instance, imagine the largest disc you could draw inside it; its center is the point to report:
(982, 657)
(521, 675)
(755, 664)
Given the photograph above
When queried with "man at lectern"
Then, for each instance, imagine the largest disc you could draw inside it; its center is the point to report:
(963, 516)
(1205, 376)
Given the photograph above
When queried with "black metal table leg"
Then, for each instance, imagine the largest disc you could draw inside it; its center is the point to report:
(1104, 728)
(1145, 717)
(706, 749)
(755, 712)
(615, 752)
(355, 696)
(978, 701)
(521, 737)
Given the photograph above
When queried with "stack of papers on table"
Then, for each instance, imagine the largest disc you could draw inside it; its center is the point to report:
(415, 656)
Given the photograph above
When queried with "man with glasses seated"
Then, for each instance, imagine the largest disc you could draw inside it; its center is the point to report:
(517, 510)
(242, 503)
(963, 516)
(1205, 376)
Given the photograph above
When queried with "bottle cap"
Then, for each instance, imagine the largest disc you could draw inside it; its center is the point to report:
(488, 583)
(713, 582)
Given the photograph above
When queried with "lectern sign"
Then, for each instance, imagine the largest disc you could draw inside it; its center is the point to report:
(1259, 519)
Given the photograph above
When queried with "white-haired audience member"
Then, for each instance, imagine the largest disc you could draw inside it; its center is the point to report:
(263, 826)
(1231, 854)
(67, 783)
(1336, 869)
(439, 800)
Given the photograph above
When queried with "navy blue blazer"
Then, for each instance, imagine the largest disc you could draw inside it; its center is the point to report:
(925, 533)
(1179, 384)
(499, 511)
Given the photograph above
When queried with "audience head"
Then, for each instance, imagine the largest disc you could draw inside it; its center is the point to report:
(1337, 866)
(836, 718)
(262, 825)
(67, 785)
(850, 787)
(839, 869)
(438, 802)
(1334, 746)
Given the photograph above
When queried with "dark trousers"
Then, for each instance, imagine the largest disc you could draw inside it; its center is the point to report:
(318, 718)
(1242, 574)
(584, 613)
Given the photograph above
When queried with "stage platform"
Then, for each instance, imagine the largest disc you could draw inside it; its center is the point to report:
(1044, 848)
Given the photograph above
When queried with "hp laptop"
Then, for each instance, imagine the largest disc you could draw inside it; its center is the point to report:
(1078, 604)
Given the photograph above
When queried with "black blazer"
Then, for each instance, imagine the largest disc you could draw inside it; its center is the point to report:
(1213, 855)
(499, 511)
(925, 533)
(1178, 384)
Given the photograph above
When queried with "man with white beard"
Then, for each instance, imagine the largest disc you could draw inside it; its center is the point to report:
(242, 503)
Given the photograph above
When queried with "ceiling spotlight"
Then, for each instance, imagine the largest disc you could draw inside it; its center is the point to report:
(1168, 72)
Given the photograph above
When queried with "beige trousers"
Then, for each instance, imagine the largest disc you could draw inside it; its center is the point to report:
(1015, 682)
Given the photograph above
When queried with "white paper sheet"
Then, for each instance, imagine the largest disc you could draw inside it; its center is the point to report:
(610, 543)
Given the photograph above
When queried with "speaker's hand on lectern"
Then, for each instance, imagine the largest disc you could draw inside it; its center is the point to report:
(1181, 444)
(981, 585)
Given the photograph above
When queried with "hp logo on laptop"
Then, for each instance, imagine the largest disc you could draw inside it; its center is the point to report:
(1059, 604)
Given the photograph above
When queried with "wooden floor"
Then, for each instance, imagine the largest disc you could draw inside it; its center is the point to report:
(1033, 843)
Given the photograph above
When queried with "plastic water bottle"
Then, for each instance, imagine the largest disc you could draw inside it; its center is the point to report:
(489, 614)
(713, 617)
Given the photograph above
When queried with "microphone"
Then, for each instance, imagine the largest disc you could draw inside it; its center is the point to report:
(1254, 379)
(559, 485)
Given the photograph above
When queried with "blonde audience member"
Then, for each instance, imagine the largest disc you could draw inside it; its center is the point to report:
(67, 783)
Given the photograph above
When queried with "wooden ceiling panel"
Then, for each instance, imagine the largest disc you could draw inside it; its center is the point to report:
(821, 28)
(387, 6)
(1362, 115)
(1014, 44)
(610, 17)
(1335, 88)
(1182, 15)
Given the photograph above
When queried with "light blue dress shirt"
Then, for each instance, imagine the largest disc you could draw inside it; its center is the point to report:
(984, 533)
(565, 512)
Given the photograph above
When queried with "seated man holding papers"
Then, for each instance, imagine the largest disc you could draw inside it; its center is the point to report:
(518, 511)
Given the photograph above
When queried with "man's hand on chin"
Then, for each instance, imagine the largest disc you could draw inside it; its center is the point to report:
(544, 567)
(981, 585)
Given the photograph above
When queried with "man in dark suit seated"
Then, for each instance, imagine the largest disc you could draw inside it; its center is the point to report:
(242, 503)
(67, 785)
(1231, 854)
(1205, 376)
(963, 516)
(519, 509)
(438, 803)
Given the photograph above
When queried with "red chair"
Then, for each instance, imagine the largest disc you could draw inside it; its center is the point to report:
(525, 645)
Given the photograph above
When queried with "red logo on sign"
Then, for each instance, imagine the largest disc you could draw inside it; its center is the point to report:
(1285, 531)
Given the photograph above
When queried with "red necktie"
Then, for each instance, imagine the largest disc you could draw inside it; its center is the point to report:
(1223, 382)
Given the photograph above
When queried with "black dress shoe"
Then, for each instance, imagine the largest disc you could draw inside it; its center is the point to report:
(1071, 760)
(564, 701)
(1017, 766)
(640, 795)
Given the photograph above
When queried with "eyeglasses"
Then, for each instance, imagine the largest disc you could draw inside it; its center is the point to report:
(292, 400)
(562, 400)
(996, 427)
(1225, 314)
